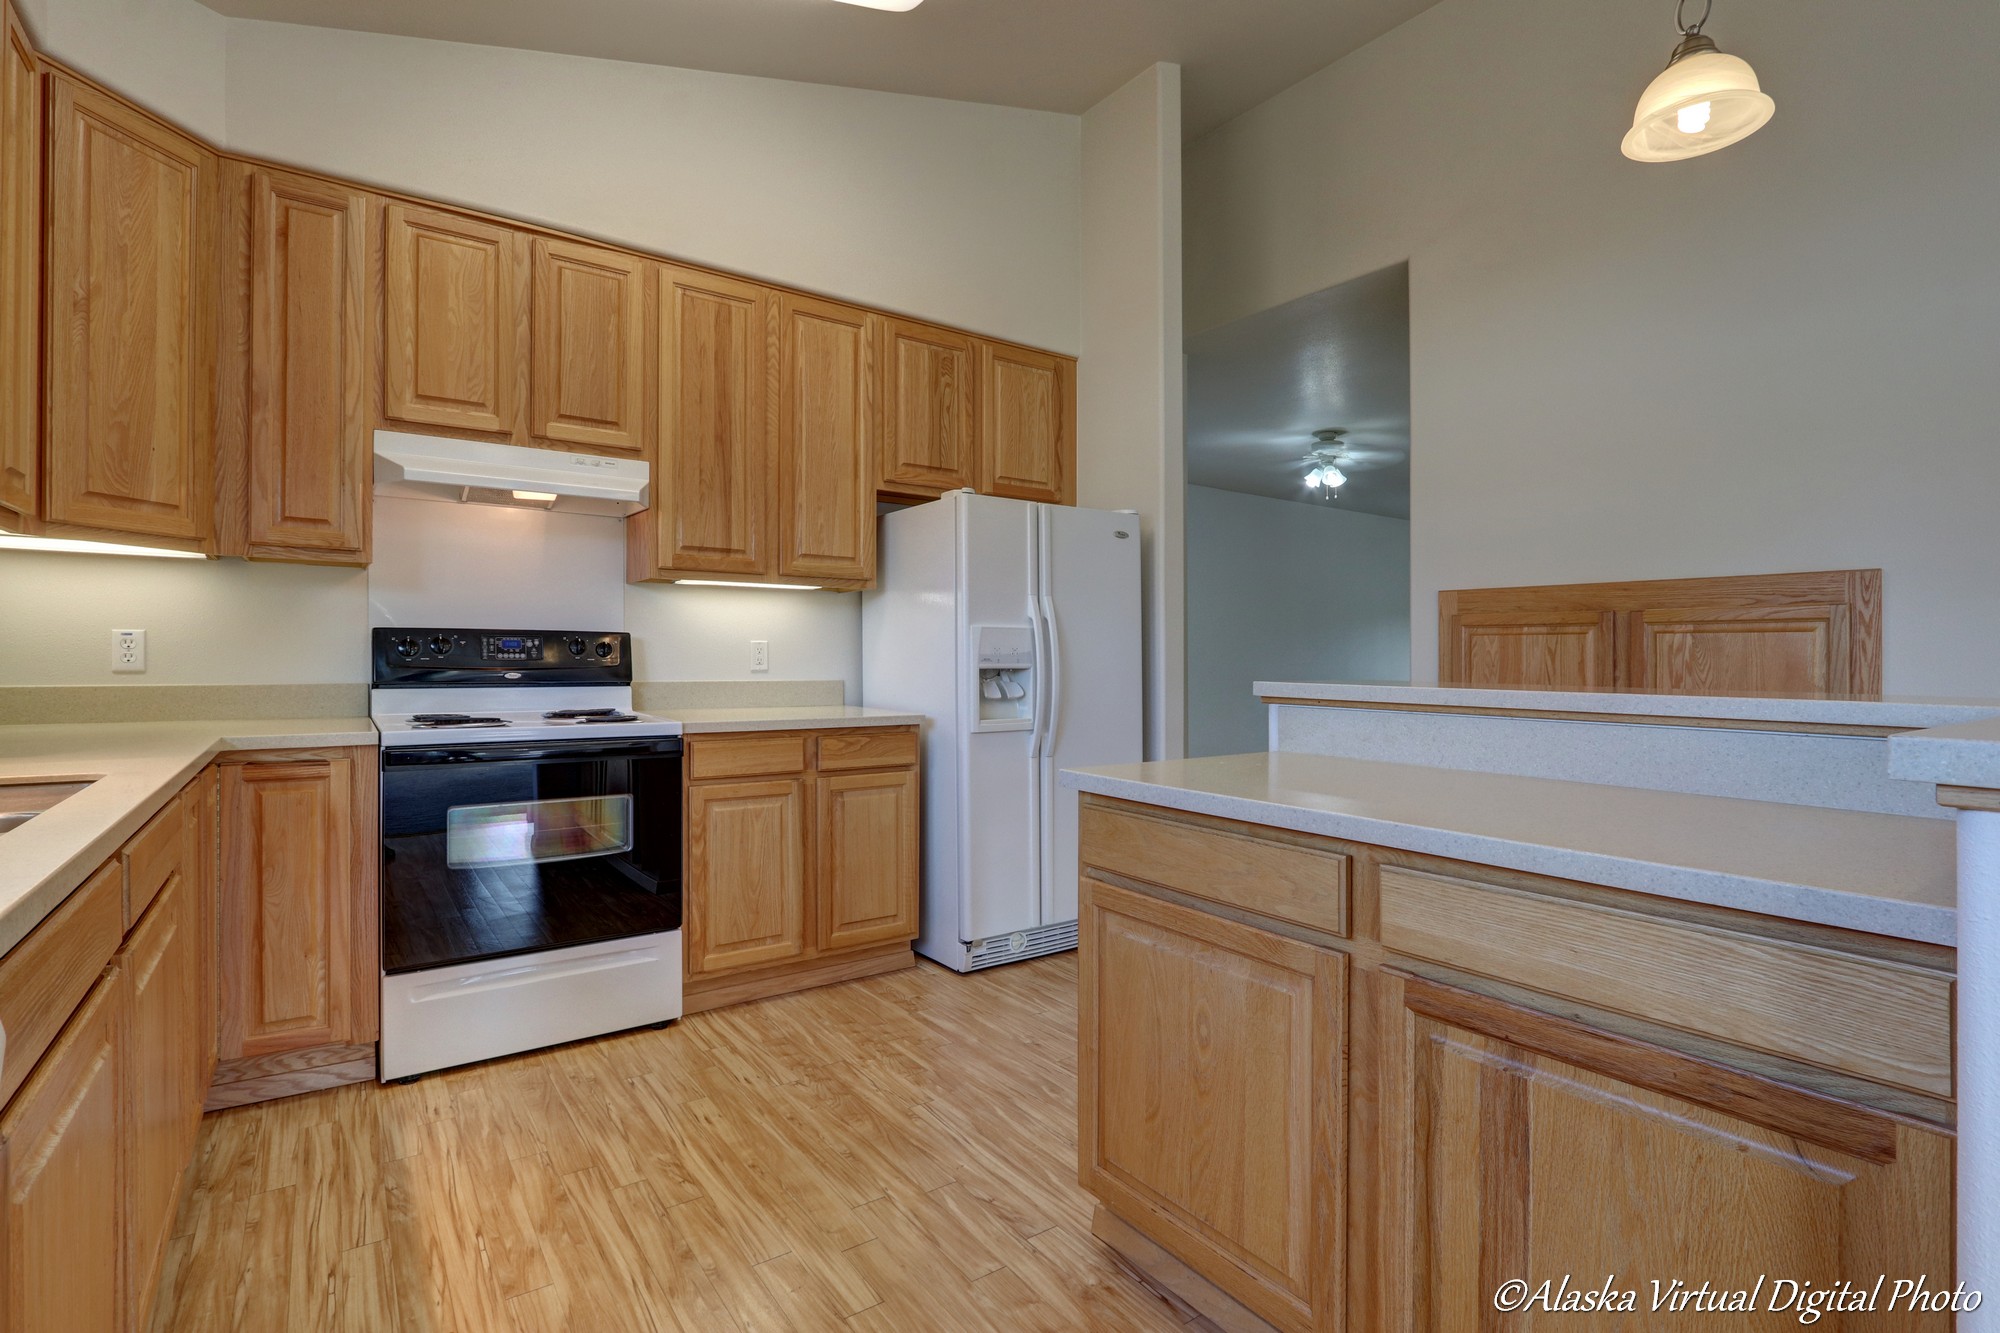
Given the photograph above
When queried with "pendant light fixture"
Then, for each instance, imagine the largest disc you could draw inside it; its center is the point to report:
(1702, 101)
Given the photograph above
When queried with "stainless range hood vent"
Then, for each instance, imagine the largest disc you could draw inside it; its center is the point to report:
(433, 467)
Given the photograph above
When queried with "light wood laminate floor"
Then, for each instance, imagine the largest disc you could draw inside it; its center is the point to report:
(890, 1154)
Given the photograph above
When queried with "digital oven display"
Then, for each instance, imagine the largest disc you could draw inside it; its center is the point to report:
(512, 647)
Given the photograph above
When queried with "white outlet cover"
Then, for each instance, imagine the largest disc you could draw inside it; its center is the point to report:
(128, 650)
(760, 654)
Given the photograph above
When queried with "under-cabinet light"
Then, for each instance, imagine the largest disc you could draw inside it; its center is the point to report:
(728, 583)
(11, 541)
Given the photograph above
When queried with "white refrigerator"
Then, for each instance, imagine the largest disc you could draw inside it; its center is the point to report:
(1014, 627)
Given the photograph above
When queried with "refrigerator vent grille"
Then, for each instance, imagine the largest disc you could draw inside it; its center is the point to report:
(1021, 945)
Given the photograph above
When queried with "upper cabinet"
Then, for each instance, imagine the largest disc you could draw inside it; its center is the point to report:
(20, 279)
(928, 424)
(453, 322)
(307, 465)
(825, 425)
(1027, 447)
(130, 308)
(587, 374)
(711, 510)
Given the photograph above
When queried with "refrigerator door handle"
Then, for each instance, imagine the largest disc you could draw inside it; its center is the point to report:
(1051, 673)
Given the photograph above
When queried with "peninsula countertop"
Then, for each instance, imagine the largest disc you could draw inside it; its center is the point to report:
(133, 768)
(1882, 874)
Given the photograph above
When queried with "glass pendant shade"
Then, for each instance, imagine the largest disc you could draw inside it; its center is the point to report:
(1705, 100)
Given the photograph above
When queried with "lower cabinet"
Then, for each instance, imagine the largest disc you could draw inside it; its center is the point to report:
(1212, 1096)
(802, 860)
(1537, 1147)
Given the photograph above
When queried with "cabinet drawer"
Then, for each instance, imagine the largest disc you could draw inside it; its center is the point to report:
(45, 976)
(745, 756)
(1282, 880)
(866, 749)
(1878, 1020)
(151, 858)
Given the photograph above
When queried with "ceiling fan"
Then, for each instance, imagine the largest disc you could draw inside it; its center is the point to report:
(1323, 473)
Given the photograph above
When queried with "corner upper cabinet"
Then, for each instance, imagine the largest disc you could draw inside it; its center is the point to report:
(825, 426)
(587, 374)
(1027, 438)
(712, 488)
(20, 279)
(454, 331)
(130, 374)
(307, 471)
(929, 421)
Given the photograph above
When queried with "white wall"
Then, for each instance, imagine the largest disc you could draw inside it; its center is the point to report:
(947, 210)
(705, 634)
(1279, 590)
(1129, 377)
(208, 622)
(166, 55)
(1777, 357)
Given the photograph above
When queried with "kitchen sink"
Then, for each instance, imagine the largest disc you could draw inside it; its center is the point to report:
(22, 801)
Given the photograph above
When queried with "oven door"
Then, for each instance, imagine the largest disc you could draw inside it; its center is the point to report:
(498, 849)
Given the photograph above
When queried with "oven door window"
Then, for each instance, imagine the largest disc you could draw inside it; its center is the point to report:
(515, 833)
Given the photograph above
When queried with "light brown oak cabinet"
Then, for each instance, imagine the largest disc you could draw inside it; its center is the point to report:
(1324, 1085)
(801, 860)
(130, 314)
(453, 320)
(20, 278)
(587, 377)
(1027, 437)
(824, 422)
(930, 421)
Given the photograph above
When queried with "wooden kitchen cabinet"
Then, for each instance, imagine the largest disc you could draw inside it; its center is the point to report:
(587, 372)
(299, 958)
(825, 425)
(802, 860)
(130, 372)
(1027, 438)
(867, 836)
(166, 1076)
(711, 512)
(747, 874)
(454, 321)
(308, 469)
(1212, 1097)
(20, 278)
(1537, 1146)
(61, 1219)
(929, 419)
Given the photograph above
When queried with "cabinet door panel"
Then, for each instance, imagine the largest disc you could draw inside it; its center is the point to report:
(746, 890)
(62, 1209)
(20, 279)
(867, 840)
(454, 340)
(166, 1077)
(1547, 650)
(711, 511)
(1212, 1097)
(928, 423)
(1706, 650)
(1537, 1146)
(309, 464)
(289, 880)
(588, 376)
(128, 251)
(826, 440)
(1027, 441)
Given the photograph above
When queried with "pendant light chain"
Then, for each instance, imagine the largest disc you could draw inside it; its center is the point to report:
(1694, 29)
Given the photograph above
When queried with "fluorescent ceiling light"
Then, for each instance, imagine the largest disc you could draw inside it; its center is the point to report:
(727, 583)
(898, 5)
(10, 541)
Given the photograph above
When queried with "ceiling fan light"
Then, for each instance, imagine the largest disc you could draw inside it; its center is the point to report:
(1703, 101)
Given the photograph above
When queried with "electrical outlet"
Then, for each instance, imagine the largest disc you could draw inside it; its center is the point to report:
(760, 654)
(128, 650)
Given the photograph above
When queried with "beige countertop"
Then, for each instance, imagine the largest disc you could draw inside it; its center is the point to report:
(134, 769)
(1883, 874)
(694, 721)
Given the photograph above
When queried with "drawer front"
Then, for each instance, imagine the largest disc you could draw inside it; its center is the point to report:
(45, 977)
(774, 754)
(865, 749)
(151, 858)
(1281, 880)
(1862, 1016)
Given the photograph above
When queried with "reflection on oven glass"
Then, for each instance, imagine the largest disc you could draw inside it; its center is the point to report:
(525, 832)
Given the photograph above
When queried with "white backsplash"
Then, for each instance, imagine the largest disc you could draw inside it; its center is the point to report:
(491, 566)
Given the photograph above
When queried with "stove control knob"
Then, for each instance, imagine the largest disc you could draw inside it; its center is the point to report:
(439, 645)
(407, 646)
(577, 647)
(606, 647)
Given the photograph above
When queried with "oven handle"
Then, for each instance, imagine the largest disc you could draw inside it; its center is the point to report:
(404, 756)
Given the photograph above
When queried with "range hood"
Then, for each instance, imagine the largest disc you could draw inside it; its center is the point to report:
(434, 467)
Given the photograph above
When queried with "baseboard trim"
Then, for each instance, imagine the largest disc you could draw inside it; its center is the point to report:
(705, 993)
(1172, 1280)
(264, 1078)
